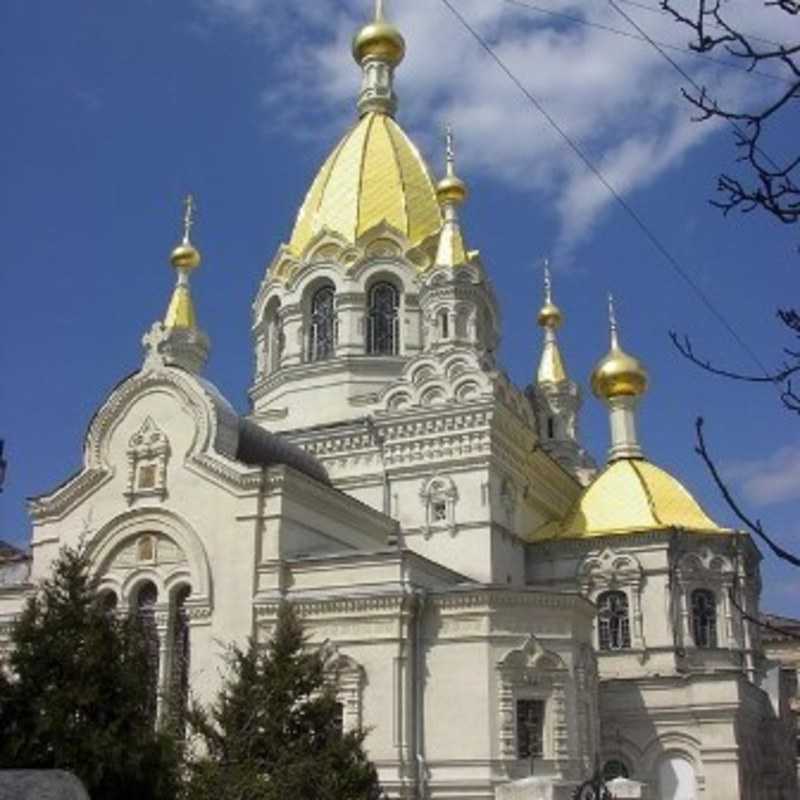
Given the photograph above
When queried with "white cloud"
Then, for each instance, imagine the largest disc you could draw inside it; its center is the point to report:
(771, 480)
(614, 96)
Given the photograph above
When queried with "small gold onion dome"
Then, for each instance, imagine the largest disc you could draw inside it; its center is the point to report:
(185, 256)
(619, 375)
(451, 190)
(381, 40)
(550, 316)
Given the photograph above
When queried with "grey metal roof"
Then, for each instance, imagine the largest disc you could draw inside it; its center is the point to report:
(258, 447)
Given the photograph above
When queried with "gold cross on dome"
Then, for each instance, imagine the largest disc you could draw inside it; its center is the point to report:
(188, 217)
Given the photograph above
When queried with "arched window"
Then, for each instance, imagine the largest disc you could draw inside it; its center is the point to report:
(704, 618)
(273, 341)
(382, 327)
(108, 599)
(444, 324)
(181, 654)
(322, 329)
(613, 622)
(146, 599)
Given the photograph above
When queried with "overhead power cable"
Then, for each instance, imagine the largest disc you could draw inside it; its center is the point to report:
(638, 38)
(664, 13)
(686, 76)
(621, 201)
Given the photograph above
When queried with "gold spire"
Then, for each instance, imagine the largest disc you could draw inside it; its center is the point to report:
(185, 258)
(549, 314)
(551, 365)
(618, 374)
(185, 255)
(451, 192)
(450, 189)
(379, 40)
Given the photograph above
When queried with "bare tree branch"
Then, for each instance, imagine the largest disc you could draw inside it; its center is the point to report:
(772, 187)
(752, 525)
(686, 349)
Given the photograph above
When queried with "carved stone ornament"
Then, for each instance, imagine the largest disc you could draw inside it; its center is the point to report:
(148, 453)
(439, 496)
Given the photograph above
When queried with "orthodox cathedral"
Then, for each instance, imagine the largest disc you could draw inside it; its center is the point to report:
(502, 614)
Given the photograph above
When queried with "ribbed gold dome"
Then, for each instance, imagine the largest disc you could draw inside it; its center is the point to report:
(381, 40)
(619, 374)
(374, 174)
(631, 496)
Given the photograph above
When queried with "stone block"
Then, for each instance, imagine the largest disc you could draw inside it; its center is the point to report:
(45, 784)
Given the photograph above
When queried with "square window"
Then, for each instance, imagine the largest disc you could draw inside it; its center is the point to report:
(147, 476)
(439, 511)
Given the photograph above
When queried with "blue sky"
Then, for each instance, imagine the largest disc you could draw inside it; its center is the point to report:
(113, 111)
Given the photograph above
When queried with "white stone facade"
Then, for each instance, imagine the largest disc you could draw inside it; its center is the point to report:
(396, 509)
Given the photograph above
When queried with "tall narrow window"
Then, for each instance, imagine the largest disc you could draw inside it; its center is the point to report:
(551, 428)
(322, 331)
(181, 653)
(146, 599)
(530, 728)
(382, 327)
(704, 618)
(613, 622)
(444, 324)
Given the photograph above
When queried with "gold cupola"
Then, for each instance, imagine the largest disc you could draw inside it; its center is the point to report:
(379, 40)
(451, 192)
(551, 366)
(375, 174)
(185, 258)
(618, 374)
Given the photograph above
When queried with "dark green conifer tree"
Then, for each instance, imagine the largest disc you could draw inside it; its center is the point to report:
(275, 730)
(74, 692)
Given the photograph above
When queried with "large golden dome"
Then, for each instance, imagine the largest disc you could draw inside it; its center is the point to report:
(631, 496)
(374, 174)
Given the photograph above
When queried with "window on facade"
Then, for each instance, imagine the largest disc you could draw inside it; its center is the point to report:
(530, 728)
(439, 511)
(338, 718)
(147, 476)
(614, 769)
(382, 325)
(704, 618)
(108, 600)
(322, 330)
(613, 622)
(146, 599)
(145, 548)
(444, 324)
(551, 428)
(181, 654)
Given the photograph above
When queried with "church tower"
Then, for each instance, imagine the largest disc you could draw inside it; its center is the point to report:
(457, 301)
(556, 398)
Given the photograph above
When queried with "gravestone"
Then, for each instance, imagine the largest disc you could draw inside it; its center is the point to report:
(40, 784)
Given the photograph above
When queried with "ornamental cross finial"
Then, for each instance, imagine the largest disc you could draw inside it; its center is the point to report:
(548, 284)
(450, 149)
(188, 218)
(378, 10)
(612, 321)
